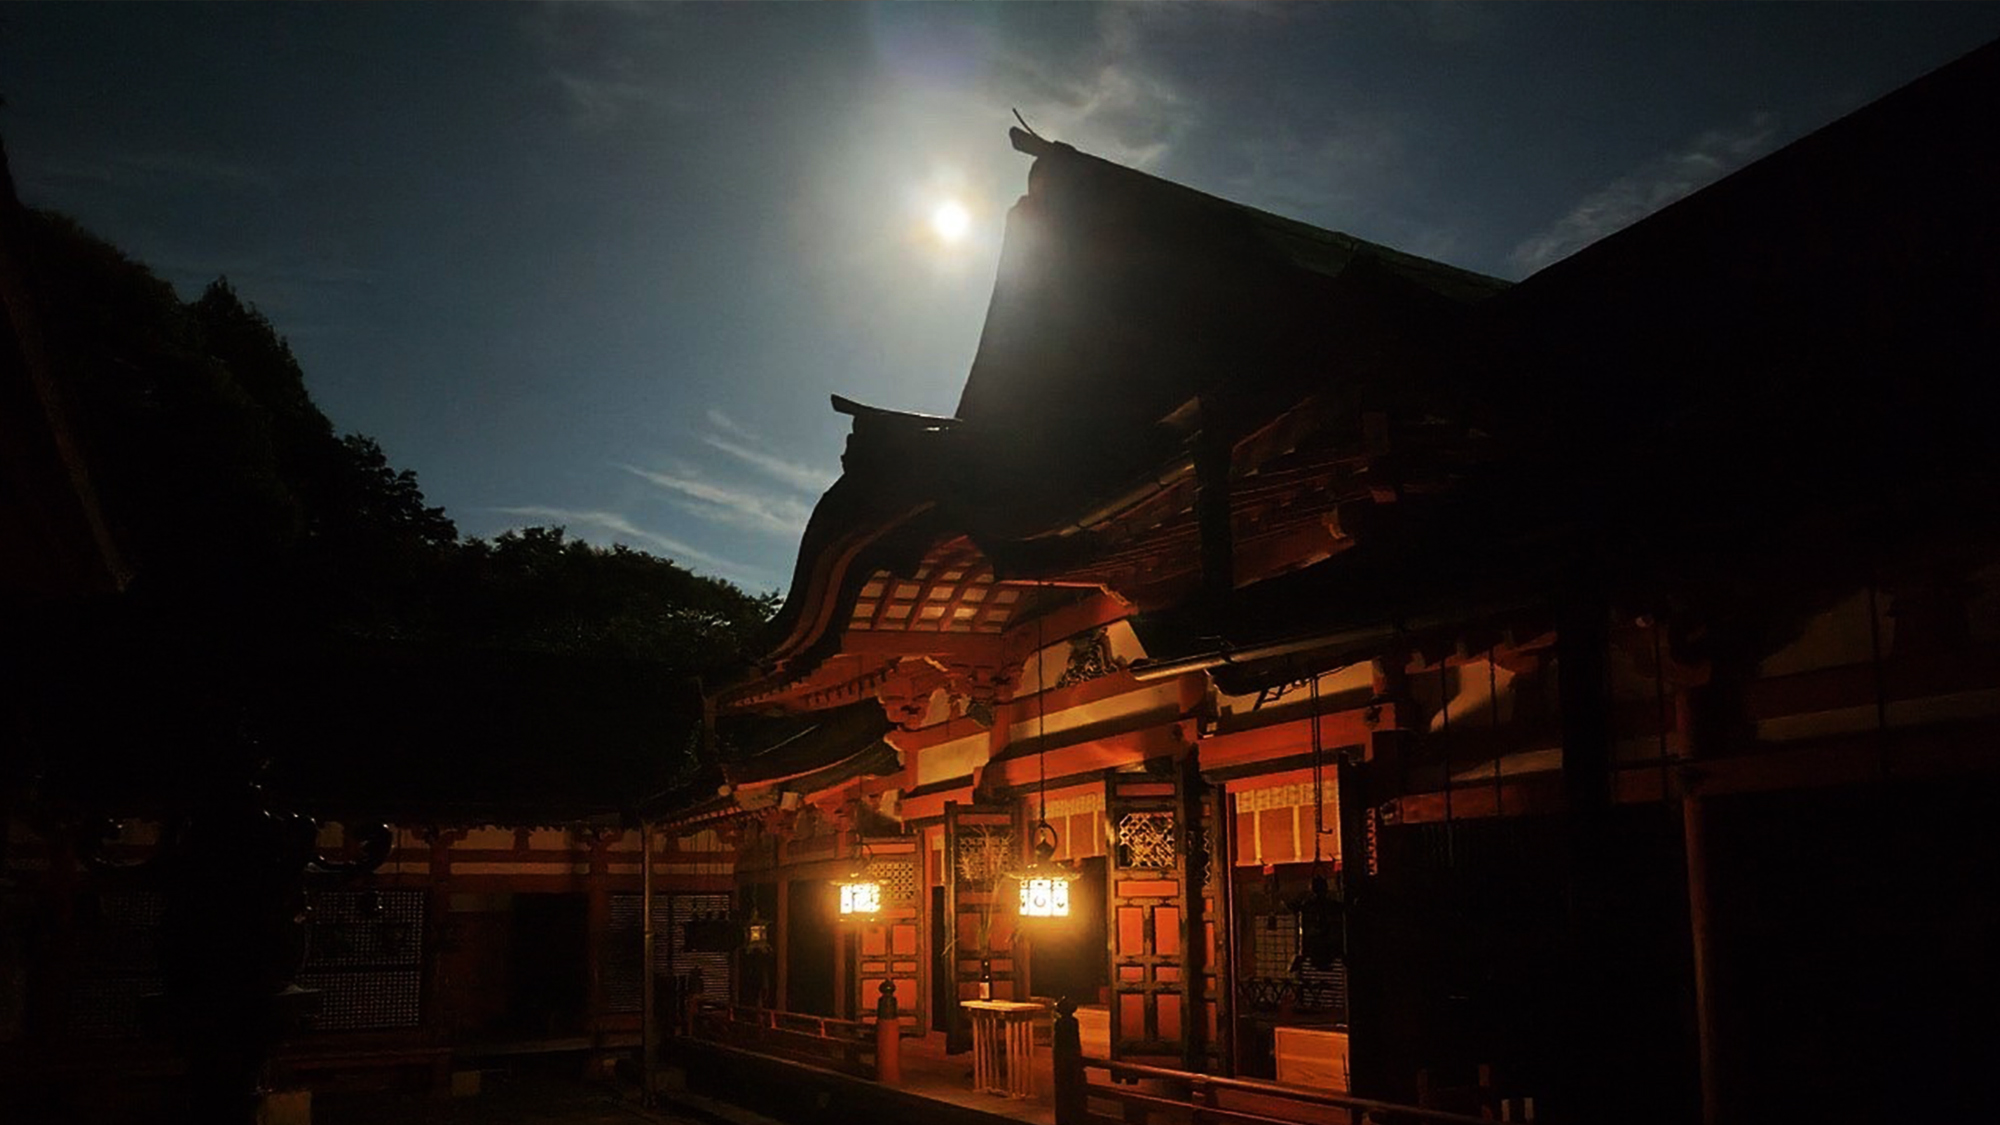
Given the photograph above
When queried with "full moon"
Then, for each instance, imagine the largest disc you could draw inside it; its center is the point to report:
(951, 220)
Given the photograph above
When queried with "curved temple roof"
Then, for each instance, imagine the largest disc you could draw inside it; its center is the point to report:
(1121, 300)
(1793, 348)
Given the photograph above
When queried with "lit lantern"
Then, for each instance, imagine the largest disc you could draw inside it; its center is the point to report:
(756, 933)
(861, 891)
(1044, 896)
(860, 899)
(1044, 887)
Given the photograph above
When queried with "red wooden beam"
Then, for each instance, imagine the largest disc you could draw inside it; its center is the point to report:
(1286, 739)
(1109, 752)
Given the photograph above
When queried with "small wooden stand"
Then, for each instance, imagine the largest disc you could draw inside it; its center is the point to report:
(1003, 1046)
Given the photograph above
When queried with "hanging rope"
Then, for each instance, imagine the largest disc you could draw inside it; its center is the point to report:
(1043, 839)
(1881, 688)
(1318, 773)
(1444, 757)
(1660, 711)
(1493, 711)
(1041, 720)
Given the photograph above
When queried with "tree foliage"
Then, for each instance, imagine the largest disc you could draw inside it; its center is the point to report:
(239, 500)
(184, 459)
(539, 589)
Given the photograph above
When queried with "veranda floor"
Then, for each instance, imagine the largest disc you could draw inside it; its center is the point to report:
(936, 1088)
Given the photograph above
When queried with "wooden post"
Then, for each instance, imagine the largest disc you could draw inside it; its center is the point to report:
(49, 986)
(649, 1004)
(434, 1007)
(1701, 925)
(1066, 1050)
(957, 1028)
(781, 949)
(888, 1037)
(1194, 938)
(597, 893)
(1227, 926)
(1586, 1091)
(1361, 782)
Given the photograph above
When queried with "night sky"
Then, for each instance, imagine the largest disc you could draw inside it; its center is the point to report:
(601, 265)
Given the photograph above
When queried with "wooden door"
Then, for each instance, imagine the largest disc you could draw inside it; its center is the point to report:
(1158, 937)
(980, 844)
(888, 946)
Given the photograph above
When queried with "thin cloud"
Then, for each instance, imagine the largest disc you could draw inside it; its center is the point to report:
(593, 58)
(740, 442)
(1630, 198)
(632, 534)
(602, 101)
(805, 478)
(1335, 169)
(1111, 102)
(738, 507)
(723, 421)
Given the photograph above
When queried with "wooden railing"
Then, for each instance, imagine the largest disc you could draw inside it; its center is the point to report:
(843, 1045)
(1152, 1095)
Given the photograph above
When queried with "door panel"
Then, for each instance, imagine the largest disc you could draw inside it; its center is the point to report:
(889, 945)
(980, 842)
(1164, 960)
(1143, 815)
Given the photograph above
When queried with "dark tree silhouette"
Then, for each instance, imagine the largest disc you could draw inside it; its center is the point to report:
(538, 589)
(241, 504)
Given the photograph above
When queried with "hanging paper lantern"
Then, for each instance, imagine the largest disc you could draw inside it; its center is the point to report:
(1045, 896)
(862, 898)
(1044, 887)
(756, 933)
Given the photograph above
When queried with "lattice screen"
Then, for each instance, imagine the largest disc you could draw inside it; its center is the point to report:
(985, 854)
(680, 960)
(1276, 944)
(1275, 947)
(898, 878)
(364, 952)
(623, 955)
(1146, 839)
(116, 963)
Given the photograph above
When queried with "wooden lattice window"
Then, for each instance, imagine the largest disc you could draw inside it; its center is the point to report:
(1146, 839)
(364, 953)
(682, 961)
(116, 965)
(985, 854)
(1273, 984)
(898, 878)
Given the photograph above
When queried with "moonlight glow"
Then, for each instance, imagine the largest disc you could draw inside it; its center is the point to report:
(951, 220)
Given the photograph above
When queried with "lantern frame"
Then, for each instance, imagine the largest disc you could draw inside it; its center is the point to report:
(861, 891)
(1044, 896)
(756, 932)
(860, 898)
(1044, 885)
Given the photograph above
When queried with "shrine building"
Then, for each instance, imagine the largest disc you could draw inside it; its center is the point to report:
(1329, 666)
